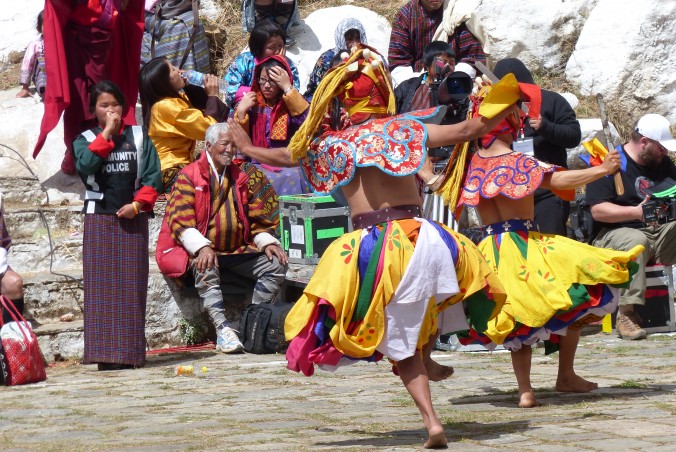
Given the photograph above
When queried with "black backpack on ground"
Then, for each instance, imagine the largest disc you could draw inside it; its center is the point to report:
(581, 220)
(261, 328)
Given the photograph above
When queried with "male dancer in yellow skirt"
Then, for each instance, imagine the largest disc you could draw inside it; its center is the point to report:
(391, 286)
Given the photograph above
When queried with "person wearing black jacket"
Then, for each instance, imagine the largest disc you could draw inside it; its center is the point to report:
(553, 132)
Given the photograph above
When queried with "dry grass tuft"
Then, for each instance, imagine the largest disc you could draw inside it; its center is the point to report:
(225, 35)
(9, 75)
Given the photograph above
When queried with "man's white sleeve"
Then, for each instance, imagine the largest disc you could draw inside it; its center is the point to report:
(193, 241)
(264, 239)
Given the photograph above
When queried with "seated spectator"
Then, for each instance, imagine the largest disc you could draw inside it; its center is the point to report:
(11, 284)
(413, 28)
(349, 32)
(169, 33)
(418, 23)
(283, 12)
(266, 39)
(224, 214)
(463, 29)
(177, 114)
(415, 93)
(33, 66)
(271, 113)
(619, 221)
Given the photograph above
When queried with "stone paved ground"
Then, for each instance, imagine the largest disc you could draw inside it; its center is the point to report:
(251, 402)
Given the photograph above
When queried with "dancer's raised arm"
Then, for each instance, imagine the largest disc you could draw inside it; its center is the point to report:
(468, 130)
(272, 156)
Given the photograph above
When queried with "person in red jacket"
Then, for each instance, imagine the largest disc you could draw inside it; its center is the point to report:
(224, 215)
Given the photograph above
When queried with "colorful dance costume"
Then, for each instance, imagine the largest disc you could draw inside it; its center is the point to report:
(551, 281)
(384, 288)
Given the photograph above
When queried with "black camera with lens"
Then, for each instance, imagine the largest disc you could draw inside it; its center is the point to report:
(659, 211)
(662, 205)
(451, 89)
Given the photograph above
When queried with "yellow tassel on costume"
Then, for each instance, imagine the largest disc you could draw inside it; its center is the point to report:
(329, 87)
(450, 188)
(324, 95)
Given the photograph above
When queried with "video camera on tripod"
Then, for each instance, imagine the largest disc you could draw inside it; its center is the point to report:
(451, 89)
(661, 208)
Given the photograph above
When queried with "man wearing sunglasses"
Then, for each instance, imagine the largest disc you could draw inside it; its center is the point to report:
(619, 219)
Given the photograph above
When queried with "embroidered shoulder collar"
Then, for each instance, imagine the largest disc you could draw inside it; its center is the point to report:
(396, 145)
(513, 175)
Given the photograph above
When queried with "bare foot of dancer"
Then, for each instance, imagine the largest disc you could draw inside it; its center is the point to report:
(436, 371)
(527, 399)
(574, 383)
(437, 439)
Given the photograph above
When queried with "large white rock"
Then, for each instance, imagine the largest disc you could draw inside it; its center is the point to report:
(17, 25)
(541, 34)
(627, 52)
(316, 35)
(209, 9)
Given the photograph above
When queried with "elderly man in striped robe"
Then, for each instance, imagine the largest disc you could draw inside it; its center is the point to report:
(224, 214)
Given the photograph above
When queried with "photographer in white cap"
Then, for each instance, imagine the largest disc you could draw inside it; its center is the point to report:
(619, 221)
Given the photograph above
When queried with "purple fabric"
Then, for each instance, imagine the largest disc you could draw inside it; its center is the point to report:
(5, 240)
(287, 181)
(366, 249)
(115, 268)
(448, 240)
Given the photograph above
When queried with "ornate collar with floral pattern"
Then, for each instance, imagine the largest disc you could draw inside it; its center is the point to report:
(513, 175)
(396, 145)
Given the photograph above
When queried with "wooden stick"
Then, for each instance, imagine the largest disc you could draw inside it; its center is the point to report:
(610, 144)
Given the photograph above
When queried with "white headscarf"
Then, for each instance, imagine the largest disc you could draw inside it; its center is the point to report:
(345, 25)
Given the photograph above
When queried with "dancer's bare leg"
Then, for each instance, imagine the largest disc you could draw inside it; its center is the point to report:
(568, 380)
(435, 371)
(414, 376)
(521, 362)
